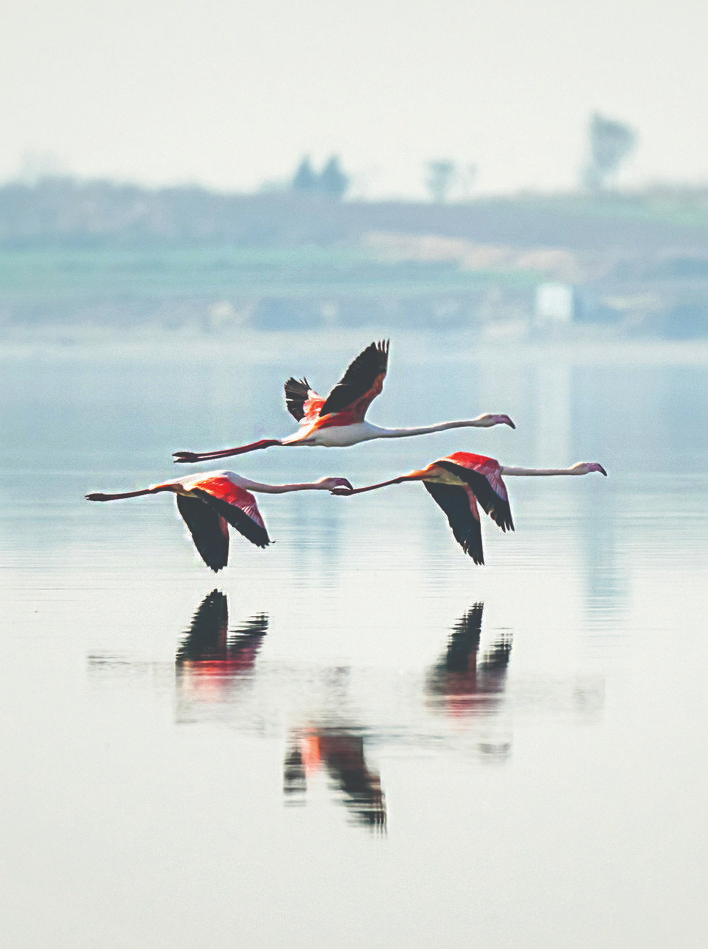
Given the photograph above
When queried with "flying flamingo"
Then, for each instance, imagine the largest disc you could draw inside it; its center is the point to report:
(338, 421)
(213, 500)
(459, 481)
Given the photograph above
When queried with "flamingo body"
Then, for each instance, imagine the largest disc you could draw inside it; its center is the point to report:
(338, 421)
(210, 502)
(335, 431)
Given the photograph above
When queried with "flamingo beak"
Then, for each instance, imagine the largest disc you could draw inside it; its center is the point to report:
(507, 421)
(601, 470)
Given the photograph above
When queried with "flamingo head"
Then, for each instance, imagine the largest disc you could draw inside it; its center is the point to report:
(336, 485)
(486, 421)
(585, 467)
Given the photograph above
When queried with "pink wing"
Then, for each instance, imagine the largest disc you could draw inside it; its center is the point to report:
(312, 408)
(235, 504)
(360, 384)
(483, 475)
(303, 403)
(350, 397)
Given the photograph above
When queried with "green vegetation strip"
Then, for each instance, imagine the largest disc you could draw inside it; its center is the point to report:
(65, 274)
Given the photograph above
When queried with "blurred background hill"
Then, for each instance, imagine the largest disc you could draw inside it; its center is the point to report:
(102, 256)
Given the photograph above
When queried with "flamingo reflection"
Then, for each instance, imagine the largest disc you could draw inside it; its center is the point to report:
(211, 656)
(211, 659)
(340, 752)
(464, 683)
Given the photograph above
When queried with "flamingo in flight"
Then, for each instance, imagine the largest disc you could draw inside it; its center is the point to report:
(459, 482)
(211, 501)
(338, 421)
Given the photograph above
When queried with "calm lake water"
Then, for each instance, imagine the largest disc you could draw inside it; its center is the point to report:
(355, 737)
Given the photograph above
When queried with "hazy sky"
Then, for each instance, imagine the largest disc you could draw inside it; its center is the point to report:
(233, 94)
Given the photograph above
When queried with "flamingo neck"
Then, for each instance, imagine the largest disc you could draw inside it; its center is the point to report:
(539, 472)
(429, 429)
(281, 488)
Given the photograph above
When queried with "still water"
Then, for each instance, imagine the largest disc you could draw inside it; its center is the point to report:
(355, 737)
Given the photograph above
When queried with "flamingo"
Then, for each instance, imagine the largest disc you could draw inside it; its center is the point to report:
(459, 481)
(338, 421)
(213, 500)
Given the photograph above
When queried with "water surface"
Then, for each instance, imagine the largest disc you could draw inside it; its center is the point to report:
(354, 737)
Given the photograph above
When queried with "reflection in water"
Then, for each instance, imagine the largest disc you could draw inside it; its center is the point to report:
(341, 752)
(334, 715)
(208, 641)
(462, 683)
(210, 662)
(211, 659)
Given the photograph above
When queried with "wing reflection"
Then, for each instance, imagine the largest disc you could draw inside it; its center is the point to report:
(339, 752)
(211, 660)
(335, 717)
(211, 657)
(463, 683)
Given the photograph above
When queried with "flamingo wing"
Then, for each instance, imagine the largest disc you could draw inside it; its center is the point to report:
(237, 517)
(360, 384)
(303, 402)
(483, 476)
(460, 506)
(209, 531)
(234, 504)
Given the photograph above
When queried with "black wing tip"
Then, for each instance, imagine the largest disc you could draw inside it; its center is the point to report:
(293, 383)
(476, 555)
(472, 546)
(252, 533)
(383, 346)
(378, 348)
(296, 393)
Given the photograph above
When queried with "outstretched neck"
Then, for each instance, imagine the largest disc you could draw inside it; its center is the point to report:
(540, 472)
(429, 429)
(282, 488)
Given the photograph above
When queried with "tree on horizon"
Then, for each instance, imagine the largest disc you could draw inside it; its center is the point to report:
(610, 142)
(331, 181)
(305, 178)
